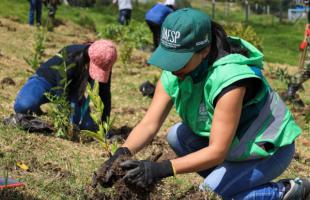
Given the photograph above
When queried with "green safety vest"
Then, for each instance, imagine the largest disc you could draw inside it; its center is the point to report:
(265, 118)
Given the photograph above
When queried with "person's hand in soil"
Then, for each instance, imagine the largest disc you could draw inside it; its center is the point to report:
(104, 175)
(145, 173)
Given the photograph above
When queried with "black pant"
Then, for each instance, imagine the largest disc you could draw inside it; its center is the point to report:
(155, 28)
(124, 16)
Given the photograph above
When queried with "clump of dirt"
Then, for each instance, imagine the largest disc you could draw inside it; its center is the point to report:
(124, 190)
(115, 170)
(119, 134)
(7, 81)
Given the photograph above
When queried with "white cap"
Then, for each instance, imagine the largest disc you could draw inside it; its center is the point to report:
(169, 2)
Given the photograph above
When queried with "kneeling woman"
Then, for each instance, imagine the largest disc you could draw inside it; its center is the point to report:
(90, 62)
(235, 131)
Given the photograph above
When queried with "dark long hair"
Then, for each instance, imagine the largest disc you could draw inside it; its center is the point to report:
(221, 45)
(81, 75)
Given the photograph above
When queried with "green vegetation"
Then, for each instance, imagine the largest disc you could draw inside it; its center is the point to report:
(281, 74)
(129, 38)
(35, 59)
(61, 108)
(103, 126)
(245, 32)
(280, 41)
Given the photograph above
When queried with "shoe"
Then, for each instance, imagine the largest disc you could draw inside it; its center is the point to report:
(300, 189)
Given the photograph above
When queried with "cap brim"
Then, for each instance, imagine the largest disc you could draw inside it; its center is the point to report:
(169, 60)
(98, 73)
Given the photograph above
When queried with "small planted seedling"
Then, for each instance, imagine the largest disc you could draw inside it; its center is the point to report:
(126, 53)
(104, 127)
(61, 109)
(281, 74)
(36, 58)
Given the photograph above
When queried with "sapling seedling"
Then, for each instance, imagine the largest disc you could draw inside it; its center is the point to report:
(36, 58)
(282, 75)
(103, 126)
(61, 109)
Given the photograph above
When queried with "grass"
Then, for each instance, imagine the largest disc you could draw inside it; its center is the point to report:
(60, 169)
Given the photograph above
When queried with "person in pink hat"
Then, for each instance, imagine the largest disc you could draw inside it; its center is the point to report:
(91, 61)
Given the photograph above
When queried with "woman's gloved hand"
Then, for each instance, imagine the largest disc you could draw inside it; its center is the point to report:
(145, 173)
(104, 175)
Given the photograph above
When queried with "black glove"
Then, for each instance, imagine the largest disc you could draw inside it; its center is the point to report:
(145, 173)
(104, 175)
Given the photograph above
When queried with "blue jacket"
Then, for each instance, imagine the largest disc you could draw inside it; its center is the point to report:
(158, 13)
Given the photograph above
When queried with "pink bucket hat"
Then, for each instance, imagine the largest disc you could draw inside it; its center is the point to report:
(102, 55)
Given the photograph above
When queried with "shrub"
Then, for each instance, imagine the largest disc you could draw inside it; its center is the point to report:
(282, 75)
(135, 33)
(87, 22)
(245, 32)
(125, 53)
(129, 37)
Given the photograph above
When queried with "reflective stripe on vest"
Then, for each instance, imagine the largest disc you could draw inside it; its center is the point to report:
(271, 116)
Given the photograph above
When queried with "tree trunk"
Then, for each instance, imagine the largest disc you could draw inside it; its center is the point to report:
(213, 9)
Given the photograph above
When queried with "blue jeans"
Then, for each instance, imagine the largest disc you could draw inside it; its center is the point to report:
(235, 180)
(31, 97)
(124, 16)
(35, 7)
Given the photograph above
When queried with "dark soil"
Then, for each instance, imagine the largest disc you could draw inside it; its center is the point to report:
(119, 134)
(123, 191)
(7, 81)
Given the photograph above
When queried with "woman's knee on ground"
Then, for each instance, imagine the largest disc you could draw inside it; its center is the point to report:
(25, 106)
(172, 136)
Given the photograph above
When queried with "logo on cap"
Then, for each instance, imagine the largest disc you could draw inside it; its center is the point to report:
(203, 41)
(169, 38)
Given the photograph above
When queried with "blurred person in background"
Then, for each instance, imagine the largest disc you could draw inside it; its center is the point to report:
(52, 8)
(125, 9)
(35, 12)
(155, 17)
